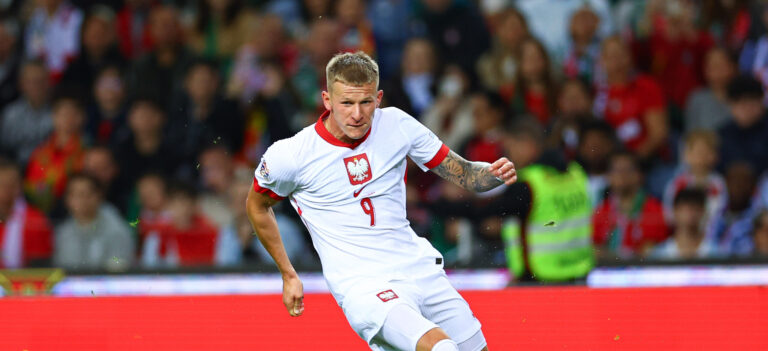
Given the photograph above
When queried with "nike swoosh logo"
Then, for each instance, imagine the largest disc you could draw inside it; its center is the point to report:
(357, 192)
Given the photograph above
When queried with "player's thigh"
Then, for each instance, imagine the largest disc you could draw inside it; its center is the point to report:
(369, 304)
(443, 305)
(402, 330)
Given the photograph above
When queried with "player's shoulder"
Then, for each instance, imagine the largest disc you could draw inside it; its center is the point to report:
(292, 145)
(394, 113)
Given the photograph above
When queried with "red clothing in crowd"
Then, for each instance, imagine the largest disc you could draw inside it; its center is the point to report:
(627, 234)
(487, 148)
(677, 65)
(35, 234)
(624, 107)
(133, 32)
(536, 105)
(49, 168)
(195, 245)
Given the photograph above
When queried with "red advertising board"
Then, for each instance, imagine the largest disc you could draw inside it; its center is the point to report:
(568, 318)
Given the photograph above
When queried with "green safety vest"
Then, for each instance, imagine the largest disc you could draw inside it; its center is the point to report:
(558, 235)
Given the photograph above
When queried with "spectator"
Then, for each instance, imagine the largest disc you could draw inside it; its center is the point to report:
(677, 48)
(98, 51)
(388, 20)
(451, 117)
(497, 68)
(100, 163)
(707, 107)
(357, 33)
(698, 171)
(106, 120)
(731, 230)
(489, 114)
(145, 148)
(236, 243)
(53, 35)
(202, 117)
(25, 235)
(271, 115)
(159, 74)
(27, 121)
(322, 42)
(727, 21)
(550, 23)
(458, 32)
(413, 89)
(94, 236)
(628, 222)
(59, 156)
(597, 142)
(688, 237)
(220, 28)
(752, 59)
(186, 239)
(582, 51)
(574, 108)
(550, 235)
(534, 91)
(744, 136)
(216, 175)
(760, 235)
(132, 26)
(152, 194)
(266, 47)
(632, 103)
(9, 62)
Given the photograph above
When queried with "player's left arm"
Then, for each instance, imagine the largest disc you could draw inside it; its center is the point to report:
(476, 176)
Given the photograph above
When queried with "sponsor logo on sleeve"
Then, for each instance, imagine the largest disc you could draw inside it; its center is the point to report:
(263, 170)
(387, 295)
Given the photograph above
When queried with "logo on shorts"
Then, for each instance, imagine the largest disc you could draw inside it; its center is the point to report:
(386, 295)
(358, 169)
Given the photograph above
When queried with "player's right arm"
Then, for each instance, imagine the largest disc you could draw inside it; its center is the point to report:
(259, 208)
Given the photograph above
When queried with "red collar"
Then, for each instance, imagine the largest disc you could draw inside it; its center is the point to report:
(327, 136)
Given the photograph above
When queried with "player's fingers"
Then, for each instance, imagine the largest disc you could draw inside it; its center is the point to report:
(298, 306)
(505, 168)
(511, 180)
(498, 163)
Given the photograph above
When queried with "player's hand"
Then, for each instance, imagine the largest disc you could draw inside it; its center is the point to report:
(504, 170)
(293, 295)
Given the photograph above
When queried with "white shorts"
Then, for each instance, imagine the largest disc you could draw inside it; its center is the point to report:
(367, 305)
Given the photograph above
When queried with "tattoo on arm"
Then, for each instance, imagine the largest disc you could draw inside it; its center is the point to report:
(473, 176)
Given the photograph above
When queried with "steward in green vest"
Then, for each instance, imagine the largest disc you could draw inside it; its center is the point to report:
(554, 243)
(547, 214)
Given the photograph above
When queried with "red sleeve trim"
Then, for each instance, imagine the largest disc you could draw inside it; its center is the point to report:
(439, 157)
(257, 188)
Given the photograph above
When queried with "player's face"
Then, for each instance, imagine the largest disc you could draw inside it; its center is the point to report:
(352, 108)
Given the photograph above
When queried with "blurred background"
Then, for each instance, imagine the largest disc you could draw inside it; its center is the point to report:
(129, 130)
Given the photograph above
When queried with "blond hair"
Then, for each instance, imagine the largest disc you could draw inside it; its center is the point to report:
(352, 69)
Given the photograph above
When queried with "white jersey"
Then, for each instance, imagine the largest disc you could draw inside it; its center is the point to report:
(351, 197)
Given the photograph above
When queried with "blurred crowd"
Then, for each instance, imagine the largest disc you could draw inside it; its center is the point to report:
(129, 130)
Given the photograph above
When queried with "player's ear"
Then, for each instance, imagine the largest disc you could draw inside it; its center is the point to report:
(379, 96)
(327, 100)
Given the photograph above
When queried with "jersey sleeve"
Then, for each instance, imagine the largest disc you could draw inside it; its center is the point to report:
(276, 173)
(425, 148)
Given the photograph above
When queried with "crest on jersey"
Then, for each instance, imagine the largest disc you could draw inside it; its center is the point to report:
(387, 295)
(358, 169)
(263, 170)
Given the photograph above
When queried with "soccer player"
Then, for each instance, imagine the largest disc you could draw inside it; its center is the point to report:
(344, 176)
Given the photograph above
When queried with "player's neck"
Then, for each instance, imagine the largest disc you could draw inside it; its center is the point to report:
(334, 129)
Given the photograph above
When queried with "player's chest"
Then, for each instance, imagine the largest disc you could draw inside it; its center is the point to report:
(349, 173)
